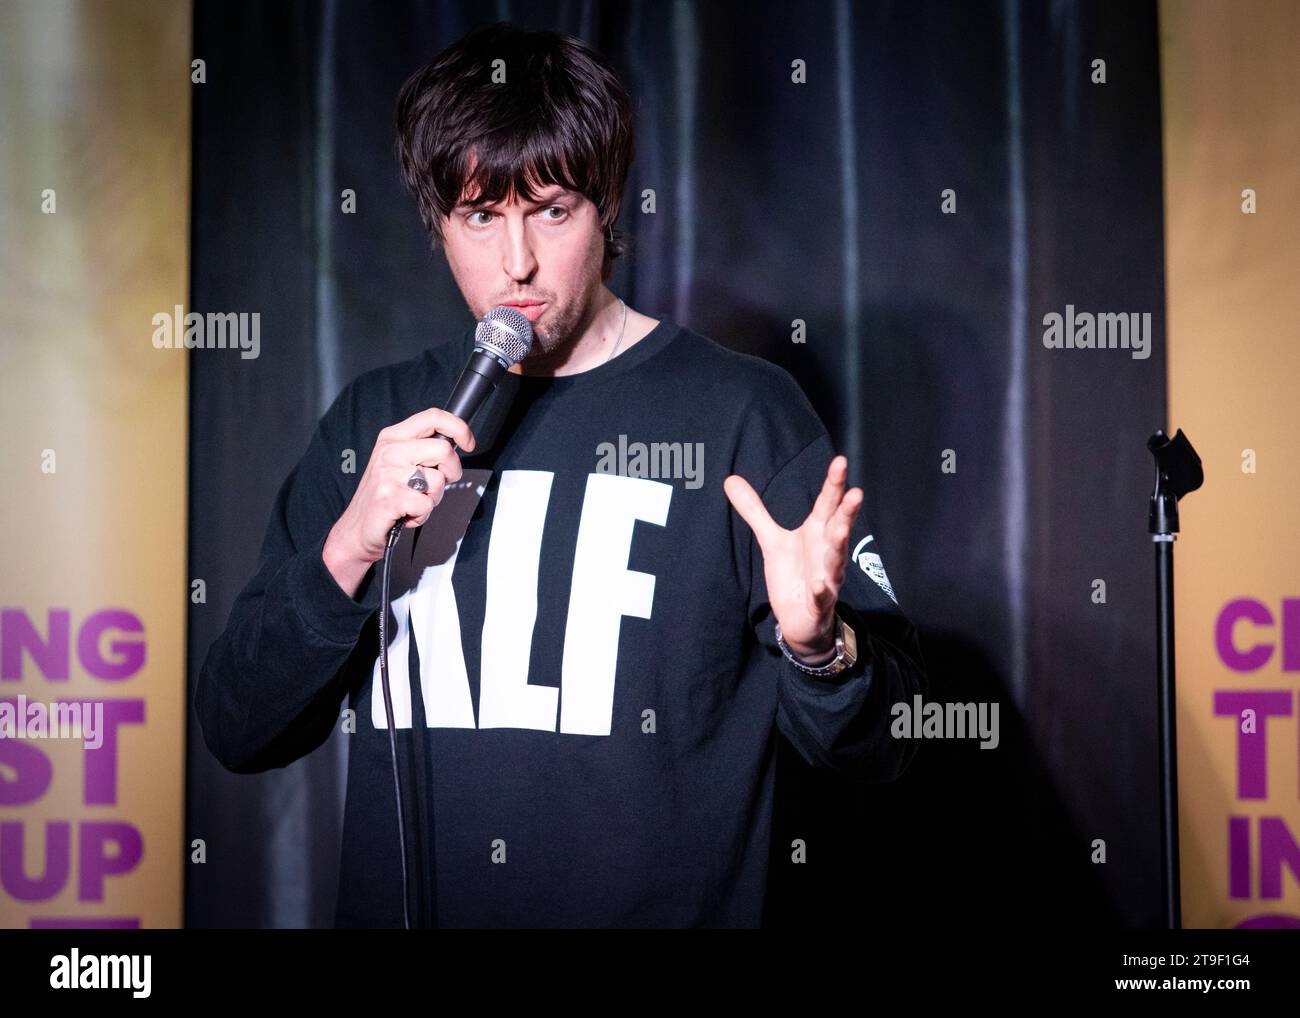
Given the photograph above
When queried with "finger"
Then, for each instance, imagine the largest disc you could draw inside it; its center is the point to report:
(832, 489)
(848, 508)
(426, 422)
(424, 452)
(745, 500)
(836, 559)
(451, 469)
(836, 554)
(416, 506)
(842, 524)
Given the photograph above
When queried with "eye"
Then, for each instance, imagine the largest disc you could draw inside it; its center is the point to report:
(557, 208)
(477, 212)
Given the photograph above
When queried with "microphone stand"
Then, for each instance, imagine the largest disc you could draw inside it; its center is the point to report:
(1178, 471)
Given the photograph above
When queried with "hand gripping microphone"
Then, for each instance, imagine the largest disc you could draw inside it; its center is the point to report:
(504, 337)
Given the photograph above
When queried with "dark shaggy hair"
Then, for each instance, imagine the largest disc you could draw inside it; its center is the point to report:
(561, 117)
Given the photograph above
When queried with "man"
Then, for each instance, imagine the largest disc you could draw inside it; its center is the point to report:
(586, 675)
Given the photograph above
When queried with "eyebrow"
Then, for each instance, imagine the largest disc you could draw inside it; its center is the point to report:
(560, 195)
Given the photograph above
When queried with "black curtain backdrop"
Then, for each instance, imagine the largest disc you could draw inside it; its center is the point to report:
(775, 201)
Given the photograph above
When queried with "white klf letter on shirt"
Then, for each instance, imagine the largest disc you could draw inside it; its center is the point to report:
(506, 700)
(429, 610)
(603, 591)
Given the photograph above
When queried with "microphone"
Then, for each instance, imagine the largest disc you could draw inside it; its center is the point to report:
(503, 338)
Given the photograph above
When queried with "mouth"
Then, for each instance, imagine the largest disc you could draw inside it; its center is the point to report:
(532, 309)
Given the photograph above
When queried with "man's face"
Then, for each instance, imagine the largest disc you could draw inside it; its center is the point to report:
(548, 250)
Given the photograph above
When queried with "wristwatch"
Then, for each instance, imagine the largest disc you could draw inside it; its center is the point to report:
(846, 651)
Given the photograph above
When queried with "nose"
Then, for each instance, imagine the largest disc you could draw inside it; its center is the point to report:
(517, 258)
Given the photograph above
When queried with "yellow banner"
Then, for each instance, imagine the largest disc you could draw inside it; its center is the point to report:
(96, 167)
(1232, 205)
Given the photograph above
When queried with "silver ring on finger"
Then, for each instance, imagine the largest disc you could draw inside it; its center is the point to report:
(418, 481)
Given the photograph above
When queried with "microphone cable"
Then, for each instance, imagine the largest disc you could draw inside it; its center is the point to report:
(416, 483)
(503, 337)
(393, 535)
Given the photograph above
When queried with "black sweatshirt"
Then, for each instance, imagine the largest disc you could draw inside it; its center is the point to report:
(585, 679)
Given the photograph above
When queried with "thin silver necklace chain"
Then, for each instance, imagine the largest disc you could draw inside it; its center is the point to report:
(621, 330)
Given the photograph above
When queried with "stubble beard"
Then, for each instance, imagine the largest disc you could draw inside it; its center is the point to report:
(555, 332)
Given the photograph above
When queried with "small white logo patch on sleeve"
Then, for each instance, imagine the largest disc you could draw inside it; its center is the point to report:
(874, 567)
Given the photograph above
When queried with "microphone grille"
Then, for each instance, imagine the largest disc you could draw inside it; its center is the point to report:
(505, 332)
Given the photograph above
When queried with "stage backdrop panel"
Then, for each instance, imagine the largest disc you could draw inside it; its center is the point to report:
(1232, 145)
(95, 164)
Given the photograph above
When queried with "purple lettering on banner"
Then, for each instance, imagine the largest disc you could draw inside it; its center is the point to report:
(1291, 634)
(1239, 857)
(129, 655)
(1252, 747)
(13, 870)
(18, 634)
(33, 768)
(75, 922)
(1276, 846)
(1270, 921)
(1258, 655)
(95, 836)
(100, 788)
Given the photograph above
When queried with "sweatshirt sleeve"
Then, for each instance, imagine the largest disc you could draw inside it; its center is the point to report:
(842, 722)
(272, 684)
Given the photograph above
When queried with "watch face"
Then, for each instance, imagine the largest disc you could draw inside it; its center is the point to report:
(850, 642)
